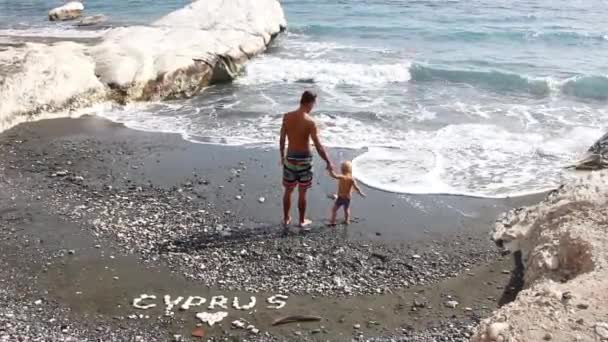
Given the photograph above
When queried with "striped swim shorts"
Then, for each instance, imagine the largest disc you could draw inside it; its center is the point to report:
(297, 170)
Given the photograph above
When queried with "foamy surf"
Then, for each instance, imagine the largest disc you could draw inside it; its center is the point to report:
(472, 160)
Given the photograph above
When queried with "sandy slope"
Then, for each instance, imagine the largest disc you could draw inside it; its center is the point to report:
(563, 241)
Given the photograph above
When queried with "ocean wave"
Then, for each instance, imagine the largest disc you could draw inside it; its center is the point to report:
(552, 37)
(274, 69)
(587, 87)
(495, 80)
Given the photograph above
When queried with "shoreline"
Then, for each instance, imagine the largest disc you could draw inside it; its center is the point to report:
(163, 207)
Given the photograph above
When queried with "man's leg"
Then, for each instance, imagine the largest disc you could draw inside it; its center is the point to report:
(287, 205)
(302, 206)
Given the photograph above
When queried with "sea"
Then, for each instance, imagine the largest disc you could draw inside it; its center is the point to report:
(483, 98)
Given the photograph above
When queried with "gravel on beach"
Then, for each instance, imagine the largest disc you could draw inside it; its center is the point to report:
(94, 185)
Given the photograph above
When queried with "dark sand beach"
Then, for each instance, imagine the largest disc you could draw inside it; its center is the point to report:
(94, 214)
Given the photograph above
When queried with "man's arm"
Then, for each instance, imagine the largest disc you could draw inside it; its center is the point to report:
(314, 134)
(333, 174)
(282, 141)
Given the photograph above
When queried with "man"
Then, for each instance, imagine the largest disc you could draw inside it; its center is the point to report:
(299, 128)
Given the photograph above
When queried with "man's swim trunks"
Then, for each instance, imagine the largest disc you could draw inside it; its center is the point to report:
(297, 170)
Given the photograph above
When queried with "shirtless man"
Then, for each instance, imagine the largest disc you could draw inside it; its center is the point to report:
(299, 128)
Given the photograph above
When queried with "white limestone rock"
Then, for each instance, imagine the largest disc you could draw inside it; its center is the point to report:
(38, 78)
(180, 54)
(563, 242)
(69, 11)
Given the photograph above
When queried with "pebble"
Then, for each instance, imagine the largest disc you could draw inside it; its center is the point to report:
(601, 329)
(238, 197)
(451, 304)
(261, 200)
(357, 326)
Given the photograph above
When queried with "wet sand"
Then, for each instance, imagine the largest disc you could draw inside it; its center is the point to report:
(88, 272)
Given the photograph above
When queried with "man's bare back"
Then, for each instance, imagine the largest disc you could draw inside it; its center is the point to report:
(298, 127)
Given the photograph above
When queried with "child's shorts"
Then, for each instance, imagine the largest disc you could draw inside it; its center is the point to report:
(342, 202)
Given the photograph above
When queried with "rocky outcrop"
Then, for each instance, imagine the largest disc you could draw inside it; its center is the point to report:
(178, 55)
(69, 11)
(207, 42)
(596, 157)
(564, 244)
(92, 20)
(38, 78)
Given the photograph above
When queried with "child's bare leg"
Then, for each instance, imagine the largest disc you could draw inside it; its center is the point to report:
(334, 213)
(346, 215)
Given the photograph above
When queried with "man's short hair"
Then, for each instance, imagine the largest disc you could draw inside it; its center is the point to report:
(308, 97)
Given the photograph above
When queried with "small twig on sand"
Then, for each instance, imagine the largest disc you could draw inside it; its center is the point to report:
(296, 318)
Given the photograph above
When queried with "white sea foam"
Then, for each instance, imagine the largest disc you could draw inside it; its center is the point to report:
(269, 69)
(472, 160)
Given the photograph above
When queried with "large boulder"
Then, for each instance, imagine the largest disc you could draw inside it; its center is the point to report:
(39, 78)
(177, 56)
(69, 11)
(180, 54)
(564, 243)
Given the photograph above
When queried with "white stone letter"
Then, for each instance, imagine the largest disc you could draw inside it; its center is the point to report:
(220, 301)
(193, 301)
(169, 304)
(235, 304)
(278, 300)
(137, 302)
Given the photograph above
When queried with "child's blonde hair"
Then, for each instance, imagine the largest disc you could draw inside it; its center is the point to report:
(347, 168)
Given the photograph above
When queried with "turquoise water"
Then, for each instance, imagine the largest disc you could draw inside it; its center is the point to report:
(483, 98)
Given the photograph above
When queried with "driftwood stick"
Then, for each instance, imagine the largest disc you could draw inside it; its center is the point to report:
(296, 318)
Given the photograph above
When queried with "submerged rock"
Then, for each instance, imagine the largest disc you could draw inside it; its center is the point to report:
(92, 20)
(69, 11)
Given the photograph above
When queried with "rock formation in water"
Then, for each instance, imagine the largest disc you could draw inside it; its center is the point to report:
(38, 78)
(175, 57)
(564, 246)
(596, 157)
(69, 11)
(92, 20)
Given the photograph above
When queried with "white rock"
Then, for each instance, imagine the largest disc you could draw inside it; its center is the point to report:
(238, 197)
(211, 318)
(46, 78)
(92, 20)
(495, 330)
(451, 304)
(238, 324)
(69, 11)
(601, 329)
(261, 200)
(416, 256)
